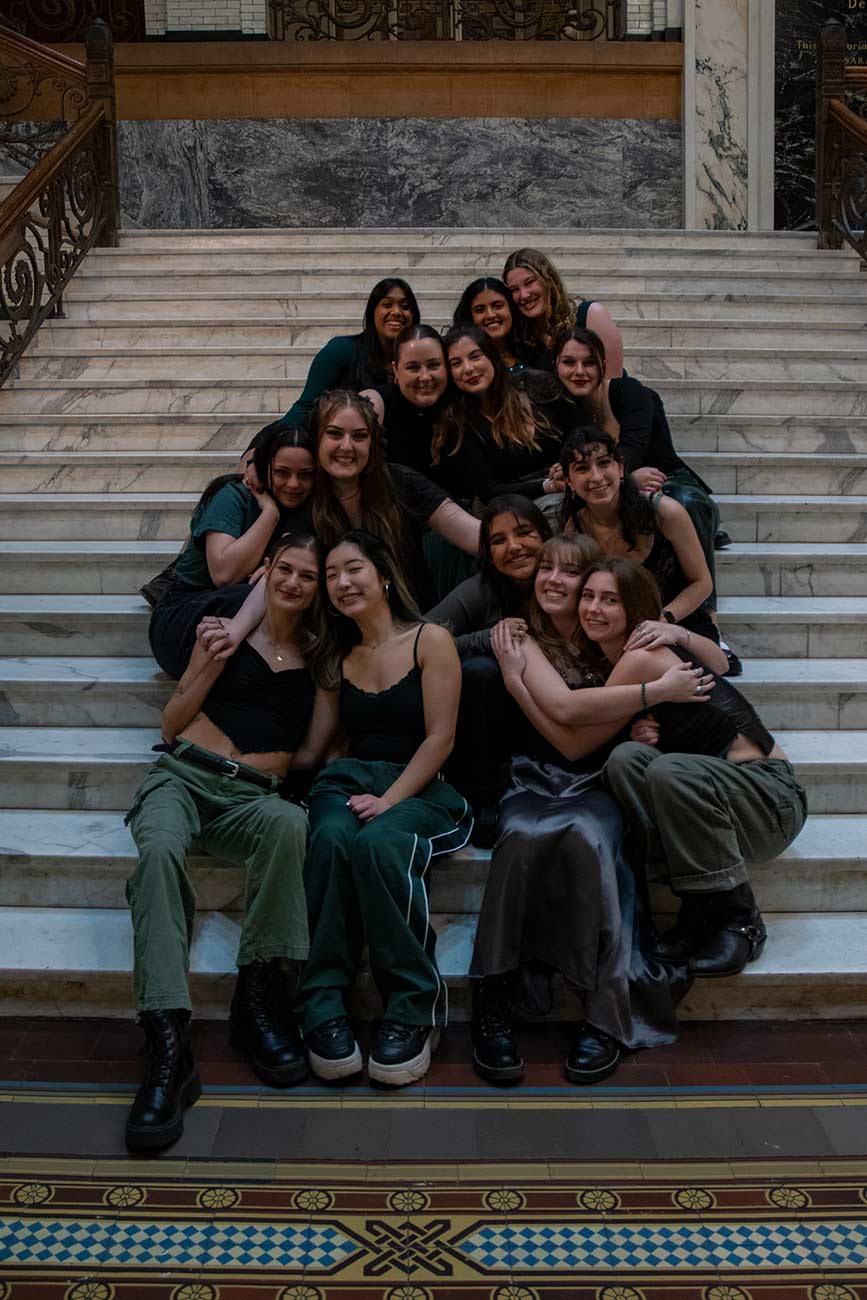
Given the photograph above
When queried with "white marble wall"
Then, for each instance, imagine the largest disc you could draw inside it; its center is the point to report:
(721, 35)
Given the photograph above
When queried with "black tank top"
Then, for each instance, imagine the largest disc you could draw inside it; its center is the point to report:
(261, 711)
(709, 728)
(385, 726)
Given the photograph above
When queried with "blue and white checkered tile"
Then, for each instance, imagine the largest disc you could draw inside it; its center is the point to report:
(666, 1245)
(144, 1243)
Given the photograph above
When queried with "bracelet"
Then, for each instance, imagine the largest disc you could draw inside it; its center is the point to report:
(644, 696)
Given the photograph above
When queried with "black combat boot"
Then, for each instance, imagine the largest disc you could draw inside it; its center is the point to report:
(257, 1031)
(736, 934)
(156, 1117)
(593, 1057)
(688, 933)
(496, 1055)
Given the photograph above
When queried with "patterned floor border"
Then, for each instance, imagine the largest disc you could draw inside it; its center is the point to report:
(201, 1230)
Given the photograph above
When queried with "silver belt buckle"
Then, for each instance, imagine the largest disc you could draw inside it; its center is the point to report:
(232, 768)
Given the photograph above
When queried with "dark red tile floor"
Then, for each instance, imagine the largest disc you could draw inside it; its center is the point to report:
(706, 1055)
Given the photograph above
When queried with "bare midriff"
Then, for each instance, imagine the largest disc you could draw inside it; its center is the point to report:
(203, 733)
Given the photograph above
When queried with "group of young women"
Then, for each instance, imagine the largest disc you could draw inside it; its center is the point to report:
(564, 699)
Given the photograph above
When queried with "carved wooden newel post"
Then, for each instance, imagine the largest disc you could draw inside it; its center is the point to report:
(830, 85)
(100, 88)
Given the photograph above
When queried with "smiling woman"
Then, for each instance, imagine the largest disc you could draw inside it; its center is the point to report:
(362, 360)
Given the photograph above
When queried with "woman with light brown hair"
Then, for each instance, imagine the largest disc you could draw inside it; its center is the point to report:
(545, 311)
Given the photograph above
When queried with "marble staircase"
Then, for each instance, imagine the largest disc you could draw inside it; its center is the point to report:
(177, 345)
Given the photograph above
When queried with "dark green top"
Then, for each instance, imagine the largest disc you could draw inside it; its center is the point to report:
(231, 510)
(333, 366)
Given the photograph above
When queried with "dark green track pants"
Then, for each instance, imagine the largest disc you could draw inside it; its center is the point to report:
(704, 820)
(366, 883)
(235, 820)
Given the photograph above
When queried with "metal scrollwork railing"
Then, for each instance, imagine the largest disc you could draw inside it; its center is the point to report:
(444, 20)
(841, 147)
(68, 201)
(58, 21)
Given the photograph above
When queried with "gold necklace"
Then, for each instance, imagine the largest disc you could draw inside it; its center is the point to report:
(374, 645)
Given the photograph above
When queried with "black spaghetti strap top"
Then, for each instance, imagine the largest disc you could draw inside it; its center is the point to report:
(709, 728)
(260, 710)
(385, 726)
(581, 312)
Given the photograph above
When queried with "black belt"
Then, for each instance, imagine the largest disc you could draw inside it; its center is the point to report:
(214, 763)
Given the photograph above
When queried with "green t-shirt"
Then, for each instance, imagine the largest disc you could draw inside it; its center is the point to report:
(233, 509)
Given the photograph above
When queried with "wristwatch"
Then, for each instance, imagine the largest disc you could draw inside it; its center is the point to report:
(668, 616)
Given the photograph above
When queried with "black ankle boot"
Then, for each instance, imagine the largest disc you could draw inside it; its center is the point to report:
(496, 1056)
(736, 934)
(275, 1049)
(594, 1056)
(156, 1117)
(688, 933)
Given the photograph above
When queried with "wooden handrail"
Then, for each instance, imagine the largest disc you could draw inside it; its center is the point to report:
(30, 186)
(855, 75)
(852, 122)
(43, 55)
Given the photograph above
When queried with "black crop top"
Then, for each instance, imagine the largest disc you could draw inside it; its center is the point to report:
(709, 728)
(261, 711)
(385, 726)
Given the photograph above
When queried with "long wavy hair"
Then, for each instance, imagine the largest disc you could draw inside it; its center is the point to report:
(342, 632)
(380, 510)
(313, 626)
(635, 514)
(582, 551)
(514, 422)
(561, 308)
(373, 364)
(639, 595)
(506, 593)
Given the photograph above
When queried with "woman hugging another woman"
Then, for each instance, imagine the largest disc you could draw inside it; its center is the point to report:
(546, 312)
(560, 895)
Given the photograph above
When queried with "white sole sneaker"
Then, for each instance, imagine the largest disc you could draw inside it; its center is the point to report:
(397, 1076)
(325, 1068)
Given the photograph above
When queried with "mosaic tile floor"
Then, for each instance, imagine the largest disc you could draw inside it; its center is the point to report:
(750, 1184)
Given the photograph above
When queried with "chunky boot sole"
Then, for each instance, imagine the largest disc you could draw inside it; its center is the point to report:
(326, 1068)
(732, 970)
(499, 1073)
(588, 1077)
(398, 1076)
(277, 1077)
(144, 1137)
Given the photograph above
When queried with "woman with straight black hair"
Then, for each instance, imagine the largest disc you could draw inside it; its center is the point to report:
(378, 817)
(513, 530)
(486, 304)
(232, 526)
(363, 360)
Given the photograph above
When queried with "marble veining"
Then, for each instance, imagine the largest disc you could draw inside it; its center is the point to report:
(721, 113)
(371, 172)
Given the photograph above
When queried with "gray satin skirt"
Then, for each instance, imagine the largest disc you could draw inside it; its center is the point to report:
(562, 896)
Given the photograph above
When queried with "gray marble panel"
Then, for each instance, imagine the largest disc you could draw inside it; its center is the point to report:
(401, 172)
(653, 174)
(163, 174)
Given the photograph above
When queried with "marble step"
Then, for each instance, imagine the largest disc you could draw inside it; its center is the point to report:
(233, 396)
(347, 308)
(654, 365)
(114, 567)
(401, 238)
(465, 256)
(743, 474)
(613, 279)
(314, 331)
(99, 767)
(78, 859)
(198, 430)
(57, 691)
(813, 966)
(163, 515)
(761, 627)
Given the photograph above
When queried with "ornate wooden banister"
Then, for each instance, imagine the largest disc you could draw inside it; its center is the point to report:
(841, 147)
(67, 202)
